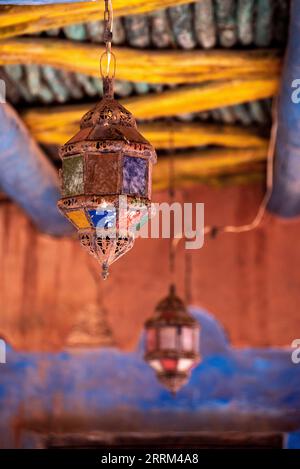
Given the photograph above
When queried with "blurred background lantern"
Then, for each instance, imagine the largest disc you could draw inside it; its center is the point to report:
(172, 342)
(90, 331)
(106, 173)
(91, 328)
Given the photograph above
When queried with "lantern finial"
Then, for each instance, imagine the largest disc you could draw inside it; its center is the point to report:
(108, 87)
(105, 270)
(173, 382)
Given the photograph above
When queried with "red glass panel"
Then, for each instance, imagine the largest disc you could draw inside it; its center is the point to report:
(169, 364)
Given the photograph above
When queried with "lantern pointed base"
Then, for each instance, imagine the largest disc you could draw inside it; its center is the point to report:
(173, 382)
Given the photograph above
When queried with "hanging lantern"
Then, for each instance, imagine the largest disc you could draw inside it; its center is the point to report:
(106, 175)
(172, 342)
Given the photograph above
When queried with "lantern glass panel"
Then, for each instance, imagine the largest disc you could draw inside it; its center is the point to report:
(187, 339)
(151, 339)
(130, 219)
(103, 219)
(184, 364)
(169, 364)
(196, 340)
(135, 176)
(79, 218)
(156, 365)
(102, 174)
(72, 173)
(144, 219)
(167, 338)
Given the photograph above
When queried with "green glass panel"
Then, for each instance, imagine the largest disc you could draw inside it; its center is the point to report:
(72, 170)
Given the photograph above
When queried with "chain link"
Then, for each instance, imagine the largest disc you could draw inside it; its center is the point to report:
(107, 38)
(108, 25)
(171, 190)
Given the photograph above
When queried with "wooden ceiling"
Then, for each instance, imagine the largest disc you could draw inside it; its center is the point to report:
(189, 81)
(237, 60)
(16, 20)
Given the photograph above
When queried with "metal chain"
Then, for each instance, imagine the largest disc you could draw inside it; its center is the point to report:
(174, 241)
(188, 277)
(108, 25)
(171, 191)
(108, 35)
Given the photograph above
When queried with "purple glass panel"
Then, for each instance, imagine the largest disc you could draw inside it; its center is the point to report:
(135, 176)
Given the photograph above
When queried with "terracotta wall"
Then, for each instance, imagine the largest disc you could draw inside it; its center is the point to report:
(250, 282)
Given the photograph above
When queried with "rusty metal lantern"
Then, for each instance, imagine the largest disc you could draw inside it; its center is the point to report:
(172, 342)
(106, 175)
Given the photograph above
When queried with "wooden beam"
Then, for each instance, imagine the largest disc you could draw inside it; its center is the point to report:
(183, 135)
(184, 99)
(144, 65)
(195, 134)
(202, 97)
(194, 167)
(17, 20)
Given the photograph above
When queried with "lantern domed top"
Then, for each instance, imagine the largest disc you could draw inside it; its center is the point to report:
(171, 310)
(108, 126)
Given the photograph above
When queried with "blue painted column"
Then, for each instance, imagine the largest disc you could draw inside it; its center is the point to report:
(285, 200)
(27, 176)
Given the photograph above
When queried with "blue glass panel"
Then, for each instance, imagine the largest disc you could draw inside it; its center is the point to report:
(103, 218)
(135, 176)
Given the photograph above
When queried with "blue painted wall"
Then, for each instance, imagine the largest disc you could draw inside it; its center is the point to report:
(247, 389)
